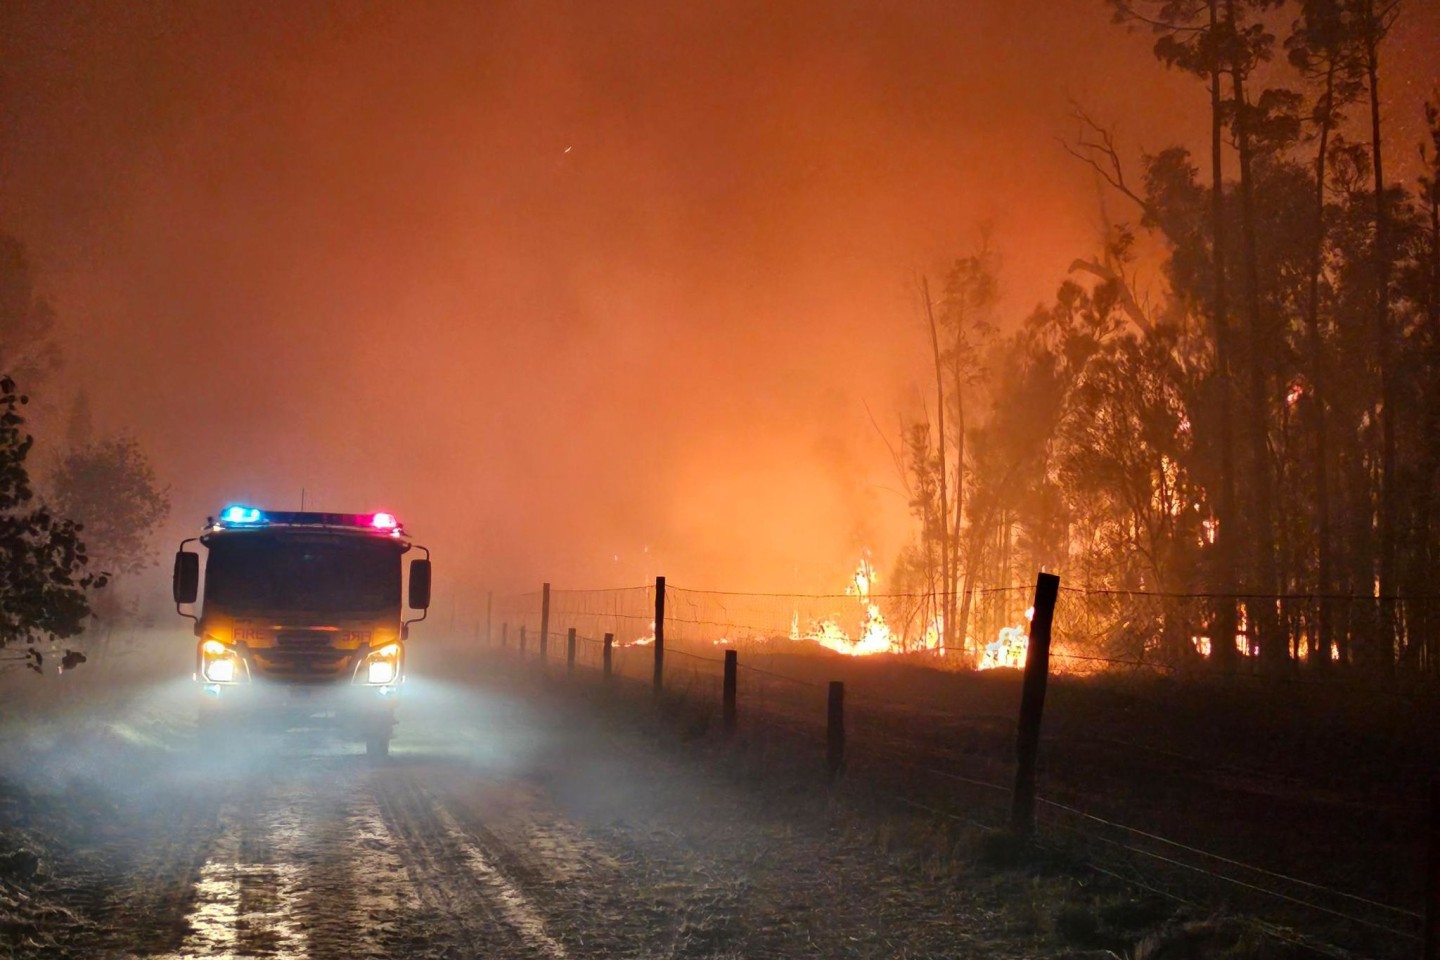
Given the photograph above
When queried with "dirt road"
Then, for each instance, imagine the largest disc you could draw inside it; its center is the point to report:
(502, 826)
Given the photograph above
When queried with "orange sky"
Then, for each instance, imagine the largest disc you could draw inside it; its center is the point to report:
(583, 292)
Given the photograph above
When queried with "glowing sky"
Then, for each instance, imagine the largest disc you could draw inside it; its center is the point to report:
(583, 292)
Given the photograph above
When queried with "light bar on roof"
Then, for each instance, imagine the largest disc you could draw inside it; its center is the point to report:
(240, 514)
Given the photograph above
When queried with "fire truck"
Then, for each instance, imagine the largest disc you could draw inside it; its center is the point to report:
(301, 622)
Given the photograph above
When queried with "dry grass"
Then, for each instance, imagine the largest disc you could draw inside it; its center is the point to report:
(1184, 759)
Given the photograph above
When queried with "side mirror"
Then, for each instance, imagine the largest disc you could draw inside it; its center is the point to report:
(419, 584)
(186, 581)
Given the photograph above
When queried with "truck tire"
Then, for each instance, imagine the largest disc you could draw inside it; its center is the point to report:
(377, 746)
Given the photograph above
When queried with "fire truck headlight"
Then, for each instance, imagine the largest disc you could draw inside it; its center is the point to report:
(382, 666)
(220, 664)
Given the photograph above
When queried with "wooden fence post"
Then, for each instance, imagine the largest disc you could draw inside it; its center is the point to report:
(835, 729)
(522, 639)
(659, 680)
(504, 633)
(570, 651)
(732, 669)
(609, 648)
(1032, 704)
(489, 608)
(544, 621)
(1432, 878)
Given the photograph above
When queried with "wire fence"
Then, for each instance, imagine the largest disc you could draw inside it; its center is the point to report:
(1195, 793)
(1318, 638)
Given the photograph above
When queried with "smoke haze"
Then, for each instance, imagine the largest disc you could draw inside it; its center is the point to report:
(582, 292)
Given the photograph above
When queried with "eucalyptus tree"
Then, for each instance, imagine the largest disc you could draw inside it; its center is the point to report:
(960, 330)
(1375, 20)
(44, 569)
(1322, 48)
(110, 486)
(1192, 36)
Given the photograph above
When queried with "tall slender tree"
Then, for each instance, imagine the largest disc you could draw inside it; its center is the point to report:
(1376, 18)
(1192, 36)
(1322, 48)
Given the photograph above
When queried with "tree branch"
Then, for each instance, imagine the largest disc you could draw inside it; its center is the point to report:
(1160, 26)
(1099, 146)
(1127, 298)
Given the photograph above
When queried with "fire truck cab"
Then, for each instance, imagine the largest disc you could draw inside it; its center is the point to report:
(301, 621)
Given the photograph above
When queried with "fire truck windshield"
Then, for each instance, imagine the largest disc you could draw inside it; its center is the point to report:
(260, 572)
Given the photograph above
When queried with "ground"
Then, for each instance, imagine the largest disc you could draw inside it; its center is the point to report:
(516, 817)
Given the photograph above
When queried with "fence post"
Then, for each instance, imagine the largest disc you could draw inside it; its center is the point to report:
(835, 729)
(544, 621)
(522, 639)
(489, 608)
(1432, 878)
(609, 647)
(504, 633)
(732, 668)
(1032, 704)
(659, 681)
(570, 651)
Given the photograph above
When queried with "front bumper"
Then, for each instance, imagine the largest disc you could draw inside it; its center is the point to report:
(364, 709)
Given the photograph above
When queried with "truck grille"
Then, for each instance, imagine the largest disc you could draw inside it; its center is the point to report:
(302, 655)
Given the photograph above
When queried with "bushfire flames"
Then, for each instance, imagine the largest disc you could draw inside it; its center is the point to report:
(1010, 648)
(876, 637)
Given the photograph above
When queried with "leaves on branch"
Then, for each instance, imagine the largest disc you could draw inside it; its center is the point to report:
(43, 565)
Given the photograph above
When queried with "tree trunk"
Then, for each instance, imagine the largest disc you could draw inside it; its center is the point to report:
(1320, 646)
(1430, 478)
(1425, 617)
(947, 555)
(974, 554)
(1382, 345)
(1263, 618)
(956, 630)
(1222, 647)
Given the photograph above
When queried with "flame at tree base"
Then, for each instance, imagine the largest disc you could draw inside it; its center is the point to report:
(875, 637)
(1010, 648)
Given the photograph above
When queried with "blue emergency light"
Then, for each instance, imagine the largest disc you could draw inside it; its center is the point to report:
(242, 514)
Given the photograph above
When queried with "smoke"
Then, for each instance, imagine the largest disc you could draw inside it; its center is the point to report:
(585, 293)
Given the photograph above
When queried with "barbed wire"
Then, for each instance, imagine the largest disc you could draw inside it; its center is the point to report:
(1401, 911)
(1194, 868)
(986, 591)
(1149, 664)
(1209, 595)
(850, 595)
(779, 676)
(866, 752)
(692, 656)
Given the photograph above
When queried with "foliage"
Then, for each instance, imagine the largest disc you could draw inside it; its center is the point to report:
(110, 487)
(1097, 439)
(44, 572)
(935, 460)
